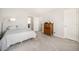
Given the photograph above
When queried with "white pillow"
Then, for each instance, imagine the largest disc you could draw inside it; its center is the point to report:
(11, 27)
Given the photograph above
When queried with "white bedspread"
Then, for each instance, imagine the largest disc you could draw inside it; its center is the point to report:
(15, 36)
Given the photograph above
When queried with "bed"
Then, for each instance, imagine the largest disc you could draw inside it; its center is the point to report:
(14, 36)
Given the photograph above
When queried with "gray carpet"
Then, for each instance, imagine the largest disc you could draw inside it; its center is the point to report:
(45, 43)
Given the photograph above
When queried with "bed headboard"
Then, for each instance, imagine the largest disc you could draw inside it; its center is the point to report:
(12, 27)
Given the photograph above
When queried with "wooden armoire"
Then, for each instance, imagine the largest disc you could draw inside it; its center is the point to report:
(48, 28)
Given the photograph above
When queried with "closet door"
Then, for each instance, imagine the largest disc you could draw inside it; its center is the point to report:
(36, 24)
(70, 24)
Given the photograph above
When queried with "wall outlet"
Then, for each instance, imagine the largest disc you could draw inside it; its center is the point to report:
(54, 32)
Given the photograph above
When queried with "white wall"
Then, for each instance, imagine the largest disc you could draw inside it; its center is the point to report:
(71, 24)
(58, 18)
(43, 14)
(61, 18)
(21, 14)
(0, 26)
(77, 25)
(0, 21)
(59, 23)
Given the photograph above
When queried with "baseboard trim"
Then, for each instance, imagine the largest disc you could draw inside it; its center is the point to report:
(66, 38)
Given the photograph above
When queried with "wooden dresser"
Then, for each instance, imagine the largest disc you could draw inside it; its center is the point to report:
(48, 28)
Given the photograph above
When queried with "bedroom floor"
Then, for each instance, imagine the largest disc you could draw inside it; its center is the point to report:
(46, 43)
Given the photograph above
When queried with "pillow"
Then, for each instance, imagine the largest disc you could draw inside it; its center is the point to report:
(12, 27)
(16, 27)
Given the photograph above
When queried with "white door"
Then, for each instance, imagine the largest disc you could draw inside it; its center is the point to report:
(70, 24)
(36, 24)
